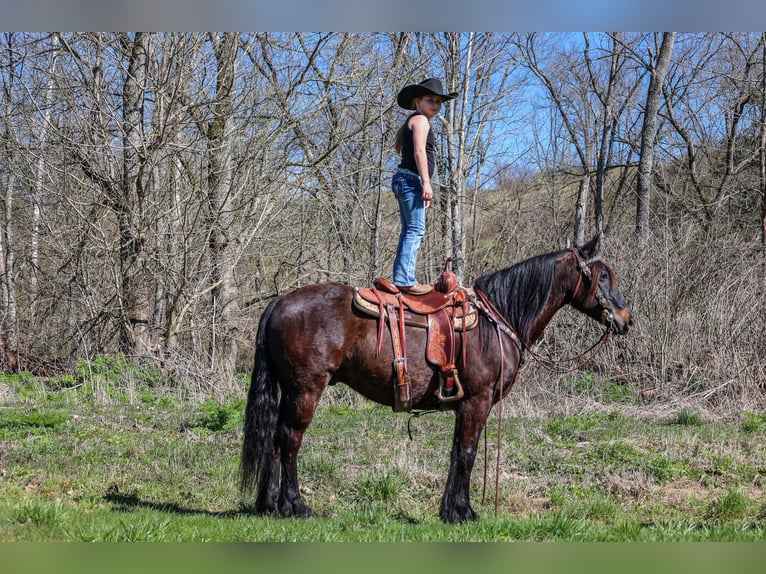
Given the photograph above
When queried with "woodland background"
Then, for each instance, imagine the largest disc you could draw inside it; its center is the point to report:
(159, 189)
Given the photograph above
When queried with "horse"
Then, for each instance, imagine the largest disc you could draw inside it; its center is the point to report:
(313, 337)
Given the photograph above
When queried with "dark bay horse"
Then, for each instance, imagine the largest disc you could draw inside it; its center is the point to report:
(312, 337)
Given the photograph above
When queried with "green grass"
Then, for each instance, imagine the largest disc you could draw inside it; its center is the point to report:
(137, 460)
(686, 417)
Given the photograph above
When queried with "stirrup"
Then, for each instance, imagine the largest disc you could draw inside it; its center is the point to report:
(457, 393)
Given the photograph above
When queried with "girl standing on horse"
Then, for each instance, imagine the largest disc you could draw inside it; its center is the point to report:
(411, 182)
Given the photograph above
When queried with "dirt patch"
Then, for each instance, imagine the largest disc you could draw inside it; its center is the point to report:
(682, 493)
(6, 393)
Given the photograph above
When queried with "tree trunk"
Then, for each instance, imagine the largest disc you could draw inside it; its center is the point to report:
(130, 204)
(458, 227)
(648, 134)
(377, 219)
(225, 305)
(34, 254)
(455, 121)
(607, 126)
(580, 208)
(8, 269)
(762, 149)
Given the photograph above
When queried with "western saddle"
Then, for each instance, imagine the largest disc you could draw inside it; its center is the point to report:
(446, 309)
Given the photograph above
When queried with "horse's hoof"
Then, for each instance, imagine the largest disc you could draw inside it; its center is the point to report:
(459, 516)
(296, 509)
(304, 511)
(266, 510)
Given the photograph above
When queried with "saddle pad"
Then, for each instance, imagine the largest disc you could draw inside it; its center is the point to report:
(470, 320)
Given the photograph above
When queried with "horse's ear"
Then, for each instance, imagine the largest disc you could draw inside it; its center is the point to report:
(590, 249)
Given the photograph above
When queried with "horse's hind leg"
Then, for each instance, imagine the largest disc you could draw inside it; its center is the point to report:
(296, 413)
(268, 487)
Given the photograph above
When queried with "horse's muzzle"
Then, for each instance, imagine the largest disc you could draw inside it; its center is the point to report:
(622, 321)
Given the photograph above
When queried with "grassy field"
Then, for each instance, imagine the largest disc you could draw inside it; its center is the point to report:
(115, 453)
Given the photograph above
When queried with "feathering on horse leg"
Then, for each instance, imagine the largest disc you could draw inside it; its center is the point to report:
(290, 501)
(296, 413)
(456, 503)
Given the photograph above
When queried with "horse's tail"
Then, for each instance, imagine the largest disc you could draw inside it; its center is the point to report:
(261, 413)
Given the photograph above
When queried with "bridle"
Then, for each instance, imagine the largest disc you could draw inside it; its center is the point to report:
(607, 316)
(501, 325)
(606, 319)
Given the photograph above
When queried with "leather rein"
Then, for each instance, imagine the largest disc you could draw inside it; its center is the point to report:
(606, 319)
(501, 324)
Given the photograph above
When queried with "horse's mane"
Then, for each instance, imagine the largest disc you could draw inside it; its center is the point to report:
(519, 292)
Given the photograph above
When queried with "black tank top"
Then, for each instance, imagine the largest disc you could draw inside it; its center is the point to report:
(408, 149)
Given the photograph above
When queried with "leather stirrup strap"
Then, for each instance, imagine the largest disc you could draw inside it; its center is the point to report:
(441, 353)
(380, 321)
(402, 394)
(463, 338)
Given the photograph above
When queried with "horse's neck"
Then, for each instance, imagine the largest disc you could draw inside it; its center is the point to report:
(525, 313)
(556, 300)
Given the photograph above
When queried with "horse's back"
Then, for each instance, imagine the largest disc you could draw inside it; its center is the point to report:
(315, 321)
(311, 309)
(316, 334)
(315, 302)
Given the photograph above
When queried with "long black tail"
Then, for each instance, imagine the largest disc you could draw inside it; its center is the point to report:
(261, 413)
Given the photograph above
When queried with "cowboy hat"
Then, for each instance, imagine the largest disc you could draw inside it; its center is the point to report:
(431, 86)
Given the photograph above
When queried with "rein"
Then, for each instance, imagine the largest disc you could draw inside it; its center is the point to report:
(553, 364)
(501, 324)
(607, 317)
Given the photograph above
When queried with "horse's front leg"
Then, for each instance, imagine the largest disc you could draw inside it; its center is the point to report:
(469, 420)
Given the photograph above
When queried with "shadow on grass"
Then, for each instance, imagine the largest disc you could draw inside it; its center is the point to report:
(130, 501)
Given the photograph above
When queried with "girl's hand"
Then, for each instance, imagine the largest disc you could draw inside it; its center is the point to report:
(428, 194)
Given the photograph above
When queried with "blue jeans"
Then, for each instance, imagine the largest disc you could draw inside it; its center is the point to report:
(412, 211)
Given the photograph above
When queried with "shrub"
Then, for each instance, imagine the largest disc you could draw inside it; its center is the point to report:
(729, 506)
(216, 417)
(688, 418)
(753, 423)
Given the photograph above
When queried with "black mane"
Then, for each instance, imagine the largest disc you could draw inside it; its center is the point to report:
(520, 291)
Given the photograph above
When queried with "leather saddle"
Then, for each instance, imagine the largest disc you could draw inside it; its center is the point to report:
(445, 310)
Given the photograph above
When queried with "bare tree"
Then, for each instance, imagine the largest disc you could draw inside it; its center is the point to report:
(40, 170)
(615, 98)
(762, 140)
(129, 201)
(8, 327)
(113, 155)
(577, 122)
(220, 131)
(658, 69)
(712, 155)
(480, 67)
(382, 92)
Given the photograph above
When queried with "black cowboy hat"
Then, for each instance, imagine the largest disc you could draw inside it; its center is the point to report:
(431, 86)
